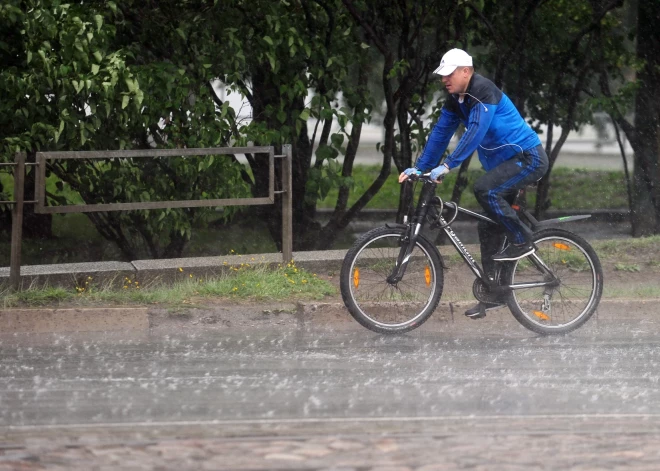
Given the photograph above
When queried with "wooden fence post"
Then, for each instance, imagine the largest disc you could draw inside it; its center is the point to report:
(17, 222)
(287, 209)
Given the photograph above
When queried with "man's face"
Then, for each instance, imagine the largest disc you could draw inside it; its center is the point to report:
(457, 81)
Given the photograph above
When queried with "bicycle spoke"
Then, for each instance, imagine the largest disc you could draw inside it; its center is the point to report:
(390, 307)
(567, 305)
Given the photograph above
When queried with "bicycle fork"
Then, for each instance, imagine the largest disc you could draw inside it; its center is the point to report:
(413, 229)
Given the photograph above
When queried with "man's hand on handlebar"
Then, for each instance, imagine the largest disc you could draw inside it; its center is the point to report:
(436, 175)
(407, 172)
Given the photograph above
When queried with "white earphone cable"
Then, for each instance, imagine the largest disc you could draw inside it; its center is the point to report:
(503, 145)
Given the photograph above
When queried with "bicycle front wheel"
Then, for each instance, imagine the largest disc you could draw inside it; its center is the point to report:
(576, 290)
(386, 307)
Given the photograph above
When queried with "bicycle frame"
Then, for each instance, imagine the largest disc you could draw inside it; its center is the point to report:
(415, 224)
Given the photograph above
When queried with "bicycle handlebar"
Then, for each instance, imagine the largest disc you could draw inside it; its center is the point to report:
(423, 176)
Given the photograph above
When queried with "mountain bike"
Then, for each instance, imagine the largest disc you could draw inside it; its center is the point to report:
(391, 279)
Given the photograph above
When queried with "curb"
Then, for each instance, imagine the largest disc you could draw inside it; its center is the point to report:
(166, 271)
(265, 315)
(450, 311)
(73, 320)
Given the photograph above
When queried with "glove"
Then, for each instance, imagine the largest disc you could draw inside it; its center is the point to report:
(411, 171)
(439, 172)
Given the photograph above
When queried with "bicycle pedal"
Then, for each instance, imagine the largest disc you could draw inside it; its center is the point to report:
(481, 315)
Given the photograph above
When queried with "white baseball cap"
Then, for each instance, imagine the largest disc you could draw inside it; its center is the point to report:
(452, 59)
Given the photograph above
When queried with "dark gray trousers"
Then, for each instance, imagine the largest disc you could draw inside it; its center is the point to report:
(495, 192)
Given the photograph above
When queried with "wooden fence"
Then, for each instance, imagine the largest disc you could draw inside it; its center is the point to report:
(41, 207)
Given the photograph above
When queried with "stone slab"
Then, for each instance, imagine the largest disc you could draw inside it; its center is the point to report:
(73, 320)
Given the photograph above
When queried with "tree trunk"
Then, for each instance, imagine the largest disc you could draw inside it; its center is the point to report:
(645, 214)
(305, 228)
(340, 217)
(461, 181)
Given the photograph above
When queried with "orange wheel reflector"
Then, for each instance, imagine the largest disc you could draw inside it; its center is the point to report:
(560, 246)
(427, 275)
(541, 315)
(356, 277)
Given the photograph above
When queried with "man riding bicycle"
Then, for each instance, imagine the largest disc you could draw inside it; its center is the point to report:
(508, 148)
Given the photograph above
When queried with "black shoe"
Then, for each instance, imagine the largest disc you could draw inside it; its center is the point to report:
(479, 311)
(514, 252)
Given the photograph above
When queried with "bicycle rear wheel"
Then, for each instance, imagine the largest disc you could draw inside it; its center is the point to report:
(579, 284)
(382, 306)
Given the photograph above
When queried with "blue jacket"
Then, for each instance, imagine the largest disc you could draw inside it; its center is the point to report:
(494, 128)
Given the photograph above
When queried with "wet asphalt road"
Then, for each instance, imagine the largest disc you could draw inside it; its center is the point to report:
(487, 368)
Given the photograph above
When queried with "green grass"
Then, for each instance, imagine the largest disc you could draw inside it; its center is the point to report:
(651, 291)
(569, 189)
(284, 283)
(76, 240)
(617, 247)
(628, 267)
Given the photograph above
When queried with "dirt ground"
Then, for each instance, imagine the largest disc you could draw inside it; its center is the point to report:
(628, 272)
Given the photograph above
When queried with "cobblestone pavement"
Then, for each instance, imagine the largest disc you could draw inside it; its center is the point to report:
(417, 452)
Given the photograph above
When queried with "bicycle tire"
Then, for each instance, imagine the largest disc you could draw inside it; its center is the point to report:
(570, 304)
(379, 305)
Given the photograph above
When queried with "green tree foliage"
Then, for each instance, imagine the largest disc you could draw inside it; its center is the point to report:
(548, 56)
(83, 77)
(639, 93)
(133, 74)
(304, 62)
(410, 43)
